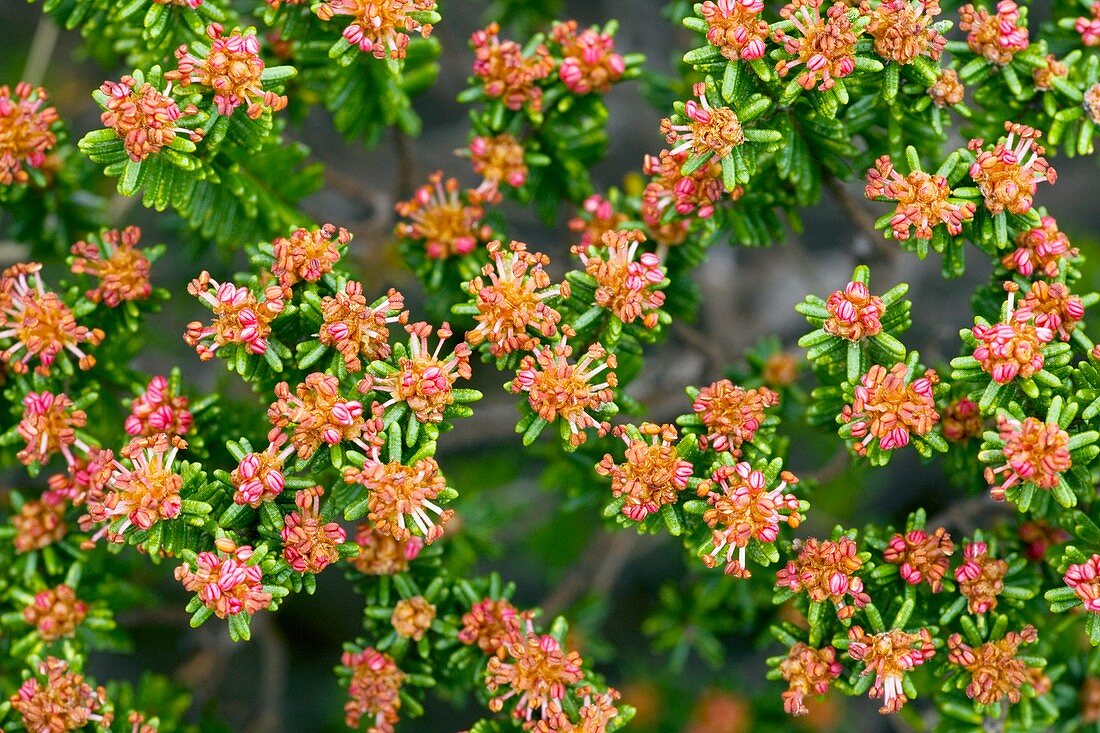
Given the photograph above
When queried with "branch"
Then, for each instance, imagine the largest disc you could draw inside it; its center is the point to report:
(858, 216)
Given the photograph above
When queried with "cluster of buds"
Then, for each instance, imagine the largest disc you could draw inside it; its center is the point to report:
(556, 388)
(506, 72)
(1041, 249)
(144, 118)
(708, 130)
(826, 46)
(626, 281)
(903, 30)
(25, 134)
(239, 317)
(652, 474)
(961, 420)
(357, 330)
(807, 671)
(889, 656)
(1038, 536)
(63, 701)
(731, 415)
(308, 254)
(447, 223)
(1008, 176)
(598, 215)
(889, 409)
(1089, 26)
(1084, 580)
(536, 671)
(743, 509)
(226, 582)
(259, 476)
(374, 690)
(494, 625)
(39, 524)
(39, 323)
(736, 28)
(49, 426)
(122, 268)
(381, 554)
(980, 577)
(55, 613)
(922, 557)
(1045, 75)
(232, 68)
(588, 59)
(412, 617)
(997, 37)
(1034, 452)
(695, 194)
(87, 476)
(1013, 348)
(924, 201)
(380, 27)
(947, 90)
(424, 380)
(996, 673)
(318, 414)
(157, 410)
(825, 570)
(398, 493)
(854, 314)
(513, 301)
(1052, 306)
(309, 543)
(497, 159)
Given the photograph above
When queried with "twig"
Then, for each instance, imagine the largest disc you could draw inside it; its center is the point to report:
(695, 338)
(858, 216)
(962, 516)
(42, 47)
(609, 554)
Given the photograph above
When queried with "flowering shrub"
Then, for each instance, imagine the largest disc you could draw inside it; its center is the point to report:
(325, 449)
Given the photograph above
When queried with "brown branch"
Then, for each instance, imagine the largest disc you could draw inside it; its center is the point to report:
(606, 555)
(858, 216)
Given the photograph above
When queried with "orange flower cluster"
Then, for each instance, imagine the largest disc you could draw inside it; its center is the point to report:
(924, 201)
(318, 414)
(412, 617)
(980, 577)
(380, 27)
(826, 46)
(144, 494)
(239, 317)
(995, 36)
(825, 571)
(807, 671)
(996, 673)
(715, 130)
(923, 557)
(696, 193)
(374, 689)
(506, 73)
(652, 474)
(1013, 348)
(1041, 249)
(157, 410)
(599, 215)
(947, 89)
(588, 59)
(497, 159)
(396, 491)
(357, 330)
(440, 218)
(424, 380)
(961, 420)
(535, 672)
(56, 613)
(381, 554)
(626, 281)
(736, 27)
(308, 254)
(903, 30)
(144, 118)
(494, 625)
(1034, 451)
(49, 426)
(889, 656)
(259, 476)
(61, 702)
(854, 314)
(1008, 176)
(25, 134)
(1052, 306)
(309, 543)
(887, 409)
(38, 524)
(731, 414)
(1045, 75)
(226, 582)
(122, 268)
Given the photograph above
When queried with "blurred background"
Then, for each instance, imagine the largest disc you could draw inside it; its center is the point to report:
(635, 601)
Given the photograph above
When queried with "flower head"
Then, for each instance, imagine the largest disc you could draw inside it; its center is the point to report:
(652, 473)
(736, 28)
(146, 492)
(25, 134)
(380, 27)
(996, 673)
(825, 45)
(923, 200)
(1045, 75)
(854, 314)
(56, 613)
(86, 477)
(144, 118)
(49, 426)
(743, 508)
(588, 59)
(316, 413)
(424, 380)
(61, 702)
(357, 330)
(232, 68)
(381, 554)
(497, 159)
(513, 301)
(980, 577)
(398, 493)
(39, 322)
(923, 557)
(947, 90)
(731, 415)
(226, 582)
(808, 671)
(259, 476)
(412, 617)
(598, 217)
(626, 281)
(506, 73)
(996, 36)
(1008, 175)
(888, 409)
(447, 224)
(825, 571)
(239, 317)
(308, 254)
(889, 656)
(1084, 579)
(38, 524)
(1013, 348)
(961, 420)
(1090, 102)
(157, 410)
(555, 388)
(903, 29)
(309, 543)
(536, 672)
(1038, 536)
(1041, 250)
(494, 625)
(374, 689)
(696, 194)
(1052, 306)
(122, 268)
(708, 129)
(1034, 452)
(1089, 27)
